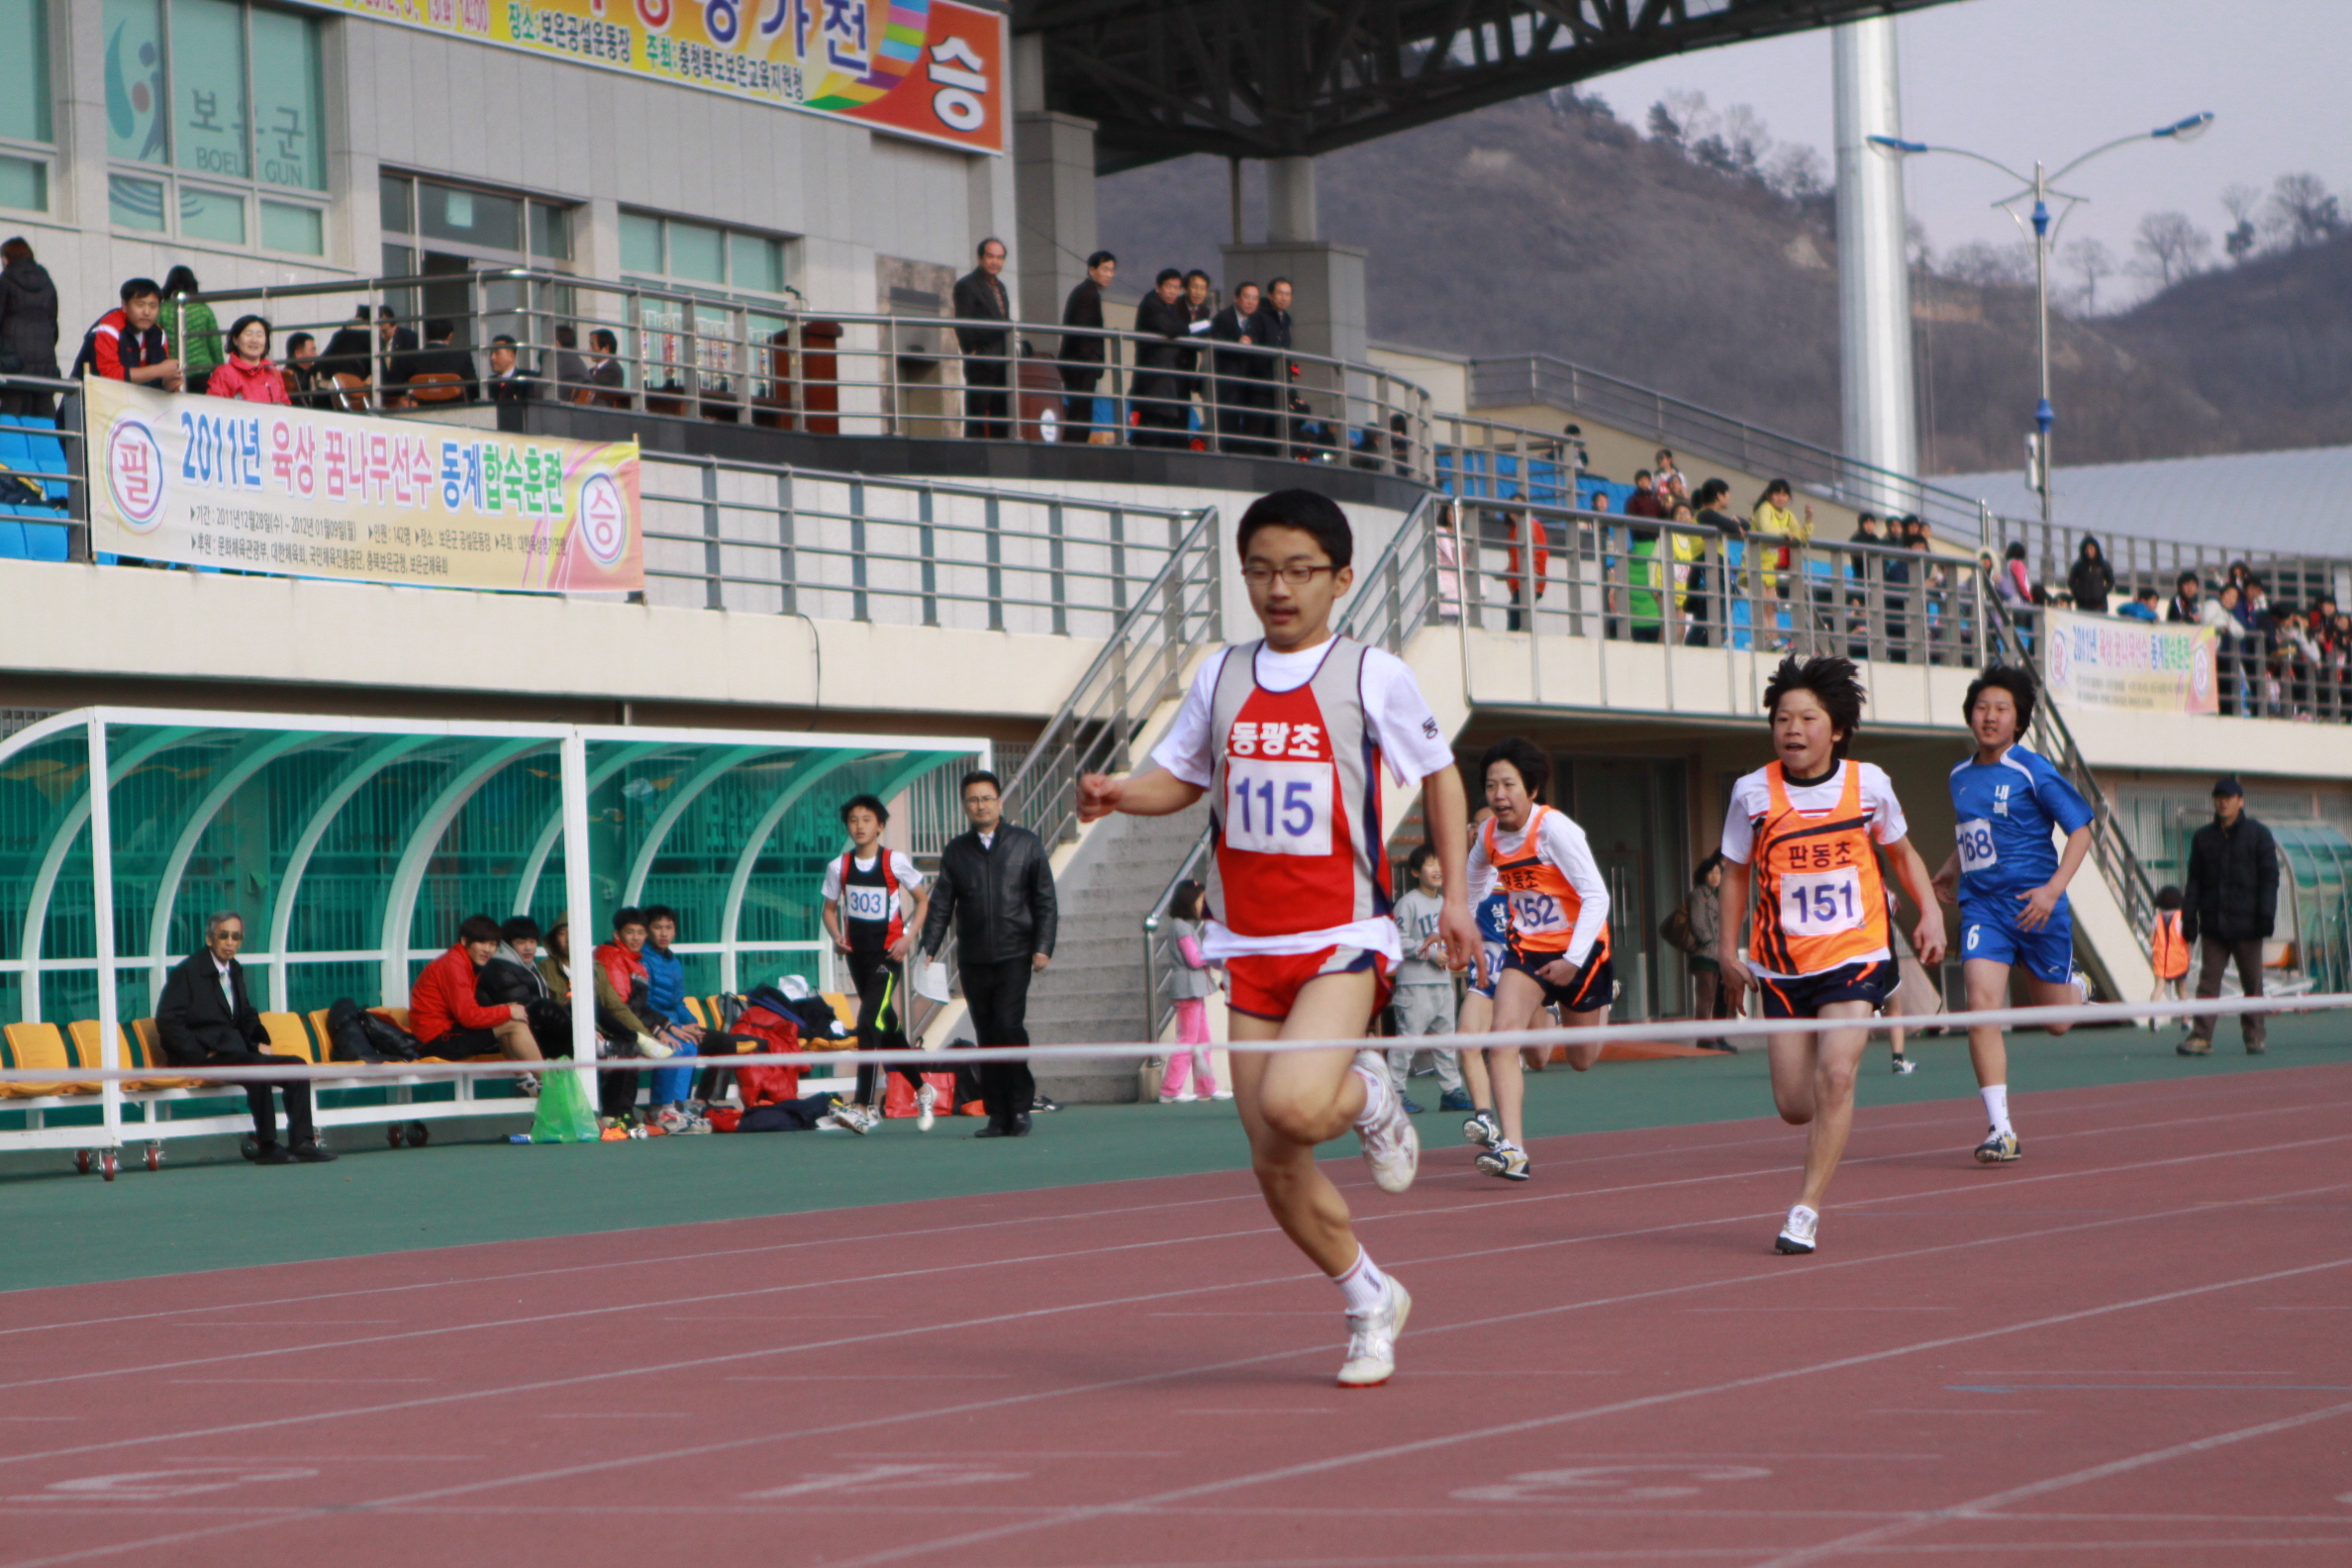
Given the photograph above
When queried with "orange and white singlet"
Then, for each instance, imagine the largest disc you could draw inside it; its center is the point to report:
(1538, 883)
(1820, 903)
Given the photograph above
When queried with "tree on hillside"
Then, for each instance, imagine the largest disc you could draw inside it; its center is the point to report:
(2171, 247)
(2089, 260)
(2241, 202)
(1988, 266)
(2303, 212)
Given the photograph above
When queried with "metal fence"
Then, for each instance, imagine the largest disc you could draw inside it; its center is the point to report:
(676, 352)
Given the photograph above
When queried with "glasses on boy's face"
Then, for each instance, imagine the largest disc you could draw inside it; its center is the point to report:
(1297, 573)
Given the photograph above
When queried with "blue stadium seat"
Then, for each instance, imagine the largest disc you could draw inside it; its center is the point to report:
(30, 530)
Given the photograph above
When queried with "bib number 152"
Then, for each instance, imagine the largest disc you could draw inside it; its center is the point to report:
(1278, 808)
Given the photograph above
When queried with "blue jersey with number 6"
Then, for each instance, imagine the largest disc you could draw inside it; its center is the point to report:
(2010, 814)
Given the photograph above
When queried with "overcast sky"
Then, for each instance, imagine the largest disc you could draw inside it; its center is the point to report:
(2021, 79)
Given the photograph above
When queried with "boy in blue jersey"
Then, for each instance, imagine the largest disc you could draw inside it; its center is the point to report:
(2009, 881)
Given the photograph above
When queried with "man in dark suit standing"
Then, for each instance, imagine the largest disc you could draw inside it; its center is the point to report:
(1274, 333)
(980, 296)
(1082, 356)
(438, 356)
(1163, 324)
(997, 885)
(207, 1019)
(1241, 376)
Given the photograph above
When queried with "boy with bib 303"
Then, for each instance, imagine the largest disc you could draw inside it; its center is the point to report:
(1804, 827)
(1290, 735)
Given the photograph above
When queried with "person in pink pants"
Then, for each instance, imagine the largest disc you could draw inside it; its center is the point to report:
(1189, 1075)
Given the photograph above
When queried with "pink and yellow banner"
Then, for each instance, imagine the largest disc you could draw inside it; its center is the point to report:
(204, 481)
(2137, 666)
(927, 68)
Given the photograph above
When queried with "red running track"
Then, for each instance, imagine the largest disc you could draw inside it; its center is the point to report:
(2129, 1348)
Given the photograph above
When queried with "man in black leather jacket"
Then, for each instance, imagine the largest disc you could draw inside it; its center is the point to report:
(997, 885)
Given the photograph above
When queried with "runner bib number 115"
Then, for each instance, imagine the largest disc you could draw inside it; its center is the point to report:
(1278, 808)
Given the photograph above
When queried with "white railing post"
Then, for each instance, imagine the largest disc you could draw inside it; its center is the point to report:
(578, 891)
(110, 1012)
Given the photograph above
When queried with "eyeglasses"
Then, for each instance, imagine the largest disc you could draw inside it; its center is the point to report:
(1296, 574)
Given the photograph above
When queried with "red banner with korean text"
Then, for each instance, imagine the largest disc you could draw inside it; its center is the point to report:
(203, 482)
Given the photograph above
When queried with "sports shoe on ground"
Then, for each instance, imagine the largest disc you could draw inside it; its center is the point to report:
(1039, 1104)
(2192, 1047)
(1183, 1096)
(671, 1119)
(2255, 1048)
(1455, 1100)
(1904, 1064)
(1223, 1094)
(1506, 1159)
(1411, 1109)
(1482, 1130)
(1797, 1235)
(1391, 1147)
(926, 1098)
(848, 1118)
(1999, 1148)
(1372, 1340)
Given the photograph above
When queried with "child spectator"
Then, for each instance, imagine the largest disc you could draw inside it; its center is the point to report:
(1190, 1075)
(247, 373)
(2146, 605)
(1425, 997)
(666, 996)
(624, 991)
(2171, 950)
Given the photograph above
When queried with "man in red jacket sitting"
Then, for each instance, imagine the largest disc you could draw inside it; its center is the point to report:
(130, 343)
(452, 1024)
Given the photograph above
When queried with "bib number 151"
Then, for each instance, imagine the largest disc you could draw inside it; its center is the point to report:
(1820, 903)
(1278, 808)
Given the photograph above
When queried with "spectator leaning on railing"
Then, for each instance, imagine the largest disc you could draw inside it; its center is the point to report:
(249, 374)
(130, 343)
(1161, 321)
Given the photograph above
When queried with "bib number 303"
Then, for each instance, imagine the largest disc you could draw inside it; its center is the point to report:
(1821, 902)
(1278, 808)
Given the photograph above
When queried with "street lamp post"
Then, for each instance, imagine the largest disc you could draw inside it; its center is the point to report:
(2044, 234)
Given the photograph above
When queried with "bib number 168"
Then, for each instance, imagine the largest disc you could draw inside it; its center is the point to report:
(1279, 808)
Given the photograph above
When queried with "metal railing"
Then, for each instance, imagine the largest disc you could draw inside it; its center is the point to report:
(1404, 589)
(1141, 666)
(684, 355)
(1691, 431)
(1523, 566)
(2288, 578)
(44, 484)
(734, 536)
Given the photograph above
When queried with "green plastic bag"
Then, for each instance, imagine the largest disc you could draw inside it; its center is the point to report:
(565, 1114)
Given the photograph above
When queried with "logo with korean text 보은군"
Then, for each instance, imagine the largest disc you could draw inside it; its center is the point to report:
(134, 472)
(603, 519)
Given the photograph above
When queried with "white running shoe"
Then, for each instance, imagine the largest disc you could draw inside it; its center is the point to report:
(1482, 1130)
(1904, 1064)
(1797, 1235)
(1372, 1339)
(926, 1098)
(1183, 1096)
(1506, 1159)
(1223, 1094)
(1392, 1148)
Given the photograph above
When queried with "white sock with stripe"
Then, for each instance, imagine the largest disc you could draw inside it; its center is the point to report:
(1363, 1286)
(1997, 1106)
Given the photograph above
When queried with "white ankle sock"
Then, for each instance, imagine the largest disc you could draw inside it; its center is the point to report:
(1997, 1106)
(1377, 1096)
(1363, 1286)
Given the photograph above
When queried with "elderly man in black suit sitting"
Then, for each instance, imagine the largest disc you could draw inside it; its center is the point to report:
(207, 1019)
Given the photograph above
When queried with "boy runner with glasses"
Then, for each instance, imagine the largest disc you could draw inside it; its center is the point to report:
(2010, 882)
(1290, 735)
(1804, 826)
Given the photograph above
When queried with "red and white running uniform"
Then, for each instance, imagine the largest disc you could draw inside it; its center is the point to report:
(1291, 748)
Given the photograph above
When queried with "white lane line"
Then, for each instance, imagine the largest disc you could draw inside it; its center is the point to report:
(53, 1325)
(1158, 1242)
(2007, 1183)
(1982, 1508)
(706, 1449)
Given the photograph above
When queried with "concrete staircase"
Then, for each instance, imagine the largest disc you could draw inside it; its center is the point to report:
(1095, 990)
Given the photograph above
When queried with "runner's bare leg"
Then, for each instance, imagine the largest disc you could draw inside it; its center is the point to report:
(1290, 1102)
(1813, 1082)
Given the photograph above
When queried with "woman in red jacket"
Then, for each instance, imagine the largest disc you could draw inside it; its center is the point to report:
(248, 372)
